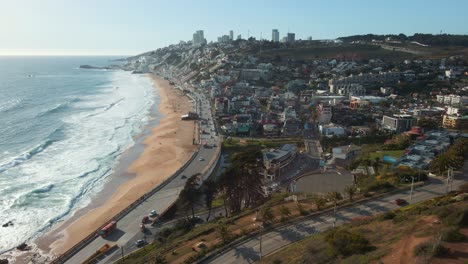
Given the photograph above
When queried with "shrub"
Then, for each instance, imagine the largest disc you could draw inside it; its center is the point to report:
(458, 218)
(301, 209)
(423, 249)
(463, 187)
(277, 261)
(430, 249)
(346, 243)
(379, 186)
(439, 251)
(442, 212)
(388, 215)
(400, 217)
(452, 235)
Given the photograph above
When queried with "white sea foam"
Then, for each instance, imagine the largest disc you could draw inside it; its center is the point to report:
(60, 178)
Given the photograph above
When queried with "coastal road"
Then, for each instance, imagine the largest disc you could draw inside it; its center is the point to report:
(249, 251)
(128, 228)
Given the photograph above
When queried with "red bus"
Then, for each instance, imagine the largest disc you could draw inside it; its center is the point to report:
(108, 229)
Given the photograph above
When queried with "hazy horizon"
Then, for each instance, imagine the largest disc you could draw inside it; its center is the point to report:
(125, 28)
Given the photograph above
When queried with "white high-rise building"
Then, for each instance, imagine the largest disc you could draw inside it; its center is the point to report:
(231, 35)
(275, 35)
(198, 38)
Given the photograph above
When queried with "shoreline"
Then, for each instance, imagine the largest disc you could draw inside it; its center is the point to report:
(170, 137)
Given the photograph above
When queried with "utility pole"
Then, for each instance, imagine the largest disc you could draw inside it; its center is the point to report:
(121, 251)
(260, 245)
(334, 215)
(449, 179)
(411, 192)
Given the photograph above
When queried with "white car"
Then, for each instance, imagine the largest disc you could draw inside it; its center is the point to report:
(153, 213)
(139, 242)
(201, 159)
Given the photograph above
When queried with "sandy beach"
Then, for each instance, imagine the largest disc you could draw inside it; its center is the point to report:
(166, 149)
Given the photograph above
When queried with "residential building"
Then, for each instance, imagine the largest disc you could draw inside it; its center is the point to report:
(231, 35)
(275, 35)
(313, 148)
(291, 127)
(349, 89)
(344, 155)
(386, 90)
(398, 123)
(451, 99)
(455, 122)
(255, 74)
(276, 161)
(364, 79)
(270, 130)
(291, 37)
(331, 130)
(324, 114)
(198, 38)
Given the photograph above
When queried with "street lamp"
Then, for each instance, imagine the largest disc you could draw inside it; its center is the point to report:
(121, 251)
(260, 226)
(411, 192)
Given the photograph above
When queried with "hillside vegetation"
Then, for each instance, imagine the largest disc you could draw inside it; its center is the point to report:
(434, 231)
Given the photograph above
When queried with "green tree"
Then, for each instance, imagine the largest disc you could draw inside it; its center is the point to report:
(158, 259)
(444, 161)
(241, 182)
(319, 201)
(346, 243)
(267, 215)
(350, 190)
(334, 197)
(190, 194)
(209, 190)
(428, 124)
(284, 211)
(223, 231)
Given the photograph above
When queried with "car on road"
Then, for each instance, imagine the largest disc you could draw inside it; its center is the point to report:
(400, 202)
(201, 159)
(145, 220)
(196, 220)
(153, 213)
(139, 243)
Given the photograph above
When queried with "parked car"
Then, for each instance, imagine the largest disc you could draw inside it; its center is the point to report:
(400, 202)
(153, 213)
(139, 242)
(145, 219)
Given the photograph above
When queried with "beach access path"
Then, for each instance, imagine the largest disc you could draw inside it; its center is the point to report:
(128, 228)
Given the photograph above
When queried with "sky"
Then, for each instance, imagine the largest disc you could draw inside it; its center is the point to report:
(130, 27)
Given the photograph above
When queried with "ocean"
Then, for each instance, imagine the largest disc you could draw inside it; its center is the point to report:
(62, 130)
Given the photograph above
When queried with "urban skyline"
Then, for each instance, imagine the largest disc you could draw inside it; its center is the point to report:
(57, 27)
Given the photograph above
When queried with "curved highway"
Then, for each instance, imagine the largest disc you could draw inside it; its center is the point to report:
(128, 228)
